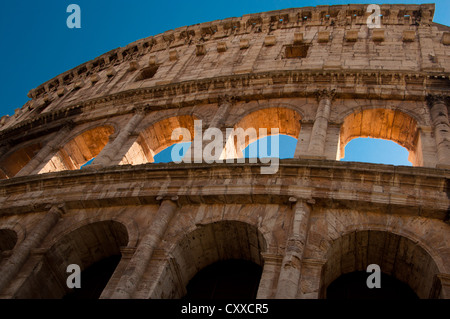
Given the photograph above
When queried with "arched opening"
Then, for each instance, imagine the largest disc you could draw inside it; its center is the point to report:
(260, 133)
(13, 163)
(406, 266)
(392, 125)
(8, 239)
(213, 243)
(238, 279)
(95, 248)
(79, 150)
(158, 138)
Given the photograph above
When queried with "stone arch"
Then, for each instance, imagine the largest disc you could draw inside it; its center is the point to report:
(381, 123)
(204, 246)
(287, 120)
(80, 149)
(157, 137)
(85, 246)
(131, 226)
(12, 163)
(397, 255)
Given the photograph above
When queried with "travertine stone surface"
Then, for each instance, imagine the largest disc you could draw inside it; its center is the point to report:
(317, 74)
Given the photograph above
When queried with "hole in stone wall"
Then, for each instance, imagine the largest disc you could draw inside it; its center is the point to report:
(8, 239)
(147, 73)
(297, 51)
(353, 286)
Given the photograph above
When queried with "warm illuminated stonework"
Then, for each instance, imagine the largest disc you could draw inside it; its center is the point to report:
(319, 75)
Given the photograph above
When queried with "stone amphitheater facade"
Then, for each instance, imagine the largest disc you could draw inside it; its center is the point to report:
(318, 74)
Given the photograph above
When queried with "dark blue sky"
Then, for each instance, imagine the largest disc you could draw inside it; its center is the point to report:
(36, 44)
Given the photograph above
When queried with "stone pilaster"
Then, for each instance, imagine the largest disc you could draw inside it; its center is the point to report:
(439, 117)
(225, 102)
(291, 266)
(108, 156)
(319, 130)
(20, 255)
(269, 276)
(310, 279)
(138, 264)
(48, 149)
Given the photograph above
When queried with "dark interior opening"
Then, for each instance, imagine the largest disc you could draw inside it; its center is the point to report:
(297, 51)
(147, 73)
(353, 286)
(236, 279)
(94, 279)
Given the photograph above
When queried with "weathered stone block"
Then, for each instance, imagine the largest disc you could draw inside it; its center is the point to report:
(351, 36)
(409, 36)
(298, 38)
(446, 38)
(378, 35)
(152, 60)
(324, 36)
(94, 78)
(61, 91)
(270, 40)
(221, 46)
(134, 65)
(111, 72)
(79, 84)
(173, 55)
(244, 44)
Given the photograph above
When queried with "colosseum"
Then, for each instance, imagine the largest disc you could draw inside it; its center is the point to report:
(139, 229)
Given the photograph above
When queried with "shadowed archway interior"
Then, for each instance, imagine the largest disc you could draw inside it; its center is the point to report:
(403, 261)
(94, 247)
(209, 244)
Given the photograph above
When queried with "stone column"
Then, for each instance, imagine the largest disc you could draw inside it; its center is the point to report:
(20, 255)
(138, 264)
(440, 120)
(224, 103)
(310, 279)
(291, 266)
(319, 130)
(49, 148)
(109, 153)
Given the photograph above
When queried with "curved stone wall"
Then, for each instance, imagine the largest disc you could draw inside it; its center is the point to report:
(318, 75)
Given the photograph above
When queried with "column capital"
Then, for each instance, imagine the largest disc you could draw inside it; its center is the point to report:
(225, 98)
(173, 198)
(57, 208)
(433, 99)
(68, 125)
(140, 109)
(329, 94)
